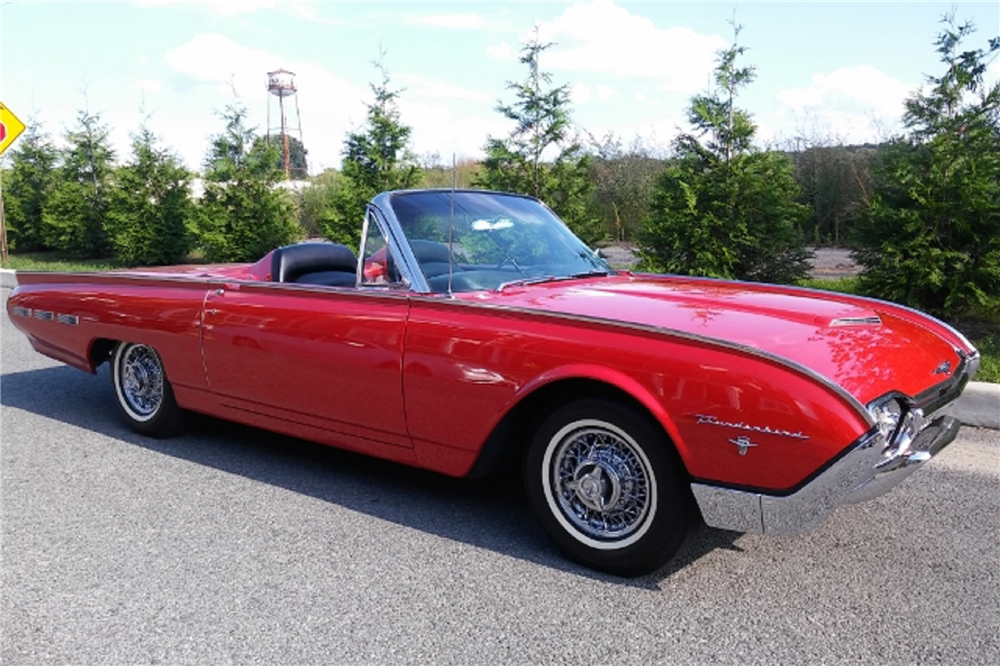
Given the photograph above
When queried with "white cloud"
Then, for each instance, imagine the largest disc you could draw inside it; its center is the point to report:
(329, 106)
(451, 21)
(855, 104)
(502, 51)
(438, 129)
(602, 37)
(861, 88)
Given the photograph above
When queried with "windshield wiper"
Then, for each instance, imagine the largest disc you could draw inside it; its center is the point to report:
(552, 278)
(526, 281)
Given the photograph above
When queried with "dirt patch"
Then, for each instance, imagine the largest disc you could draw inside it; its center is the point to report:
(833, 263)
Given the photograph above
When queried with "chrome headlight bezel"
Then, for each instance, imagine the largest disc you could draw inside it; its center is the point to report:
(888, 413)
(899, 423)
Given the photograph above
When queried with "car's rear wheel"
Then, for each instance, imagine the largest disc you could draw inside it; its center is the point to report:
(608, 488)
(142, 392)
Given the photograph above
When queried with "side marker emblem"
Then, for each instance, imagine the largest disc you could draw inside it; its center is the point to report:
(943, 369)
(743, 442)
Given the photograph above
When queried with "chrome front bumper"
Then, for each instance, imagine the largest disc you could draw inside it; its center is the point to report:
(868, 470)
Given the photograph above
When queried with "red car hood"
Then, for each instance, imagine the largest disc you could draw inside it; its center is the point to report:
(868, 348)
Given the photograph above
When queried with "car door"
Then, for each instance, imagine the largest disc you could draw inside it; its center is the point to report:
(327, 358)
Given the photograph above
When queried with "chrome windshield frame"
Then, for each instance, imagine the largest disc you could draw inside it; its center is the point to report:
(380, 210)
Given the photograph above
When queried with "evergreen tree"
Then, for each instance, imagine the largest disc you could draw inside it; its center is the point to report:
(316, 201)
(930, 237)
(73, 218)
(539, 157)
(150, 206)
(376, 159)
(243, 215)
(27, 186)
(297, 155)
(723, 208)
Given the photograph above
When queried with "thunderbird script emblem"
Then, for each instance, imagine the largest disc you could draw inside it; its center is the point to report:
(707, 419)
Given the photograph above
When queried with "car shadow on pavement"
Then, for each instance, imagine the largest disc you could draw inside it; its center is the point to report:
(491, 513)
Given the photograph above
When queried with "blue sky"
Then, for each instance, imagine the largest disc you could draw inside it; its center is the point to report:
(828, 71)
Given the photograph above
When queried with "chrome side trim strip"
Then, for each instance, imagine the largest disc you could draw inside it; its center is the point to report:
(22, 311)
(671, 333)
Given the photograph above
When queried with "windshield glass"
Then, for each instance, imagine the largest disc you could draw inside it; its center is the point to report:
(494, 238)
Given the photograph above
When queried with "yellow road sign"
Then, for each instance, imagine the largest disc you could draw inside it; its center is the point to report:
(10, 128)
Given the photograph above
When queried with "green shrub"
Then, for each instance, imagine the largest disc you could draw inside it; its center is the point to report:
(243, 215)
(151, 207)
(722, 208)
(26, 188)
(73, 216)
(930, 237)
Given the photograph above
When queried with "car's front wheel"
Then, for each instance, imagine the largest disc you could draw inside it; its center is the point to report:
(142, 392)
(608, 488)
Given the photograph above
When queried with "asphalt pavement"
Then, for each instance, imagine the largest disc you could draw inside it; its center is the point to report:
(233, 545)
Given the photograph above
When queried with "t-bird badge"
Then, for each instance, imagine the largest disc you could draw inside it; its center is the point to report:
(743, 443)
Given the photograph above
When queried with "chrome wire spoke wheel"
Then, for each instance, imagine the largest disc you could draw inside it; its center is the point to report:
(600, 484)
(608, 486)
(139, 381)
(143, 393)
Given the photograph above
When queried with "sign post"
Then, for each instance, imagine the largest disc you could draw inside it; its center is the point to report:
(10, 129)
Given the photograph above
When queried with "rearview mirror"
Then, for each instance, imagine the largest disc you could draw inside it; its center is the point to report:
(486, 225)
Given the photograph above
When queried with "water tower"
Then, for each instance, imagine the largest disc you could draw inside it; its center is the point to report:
(281, 84)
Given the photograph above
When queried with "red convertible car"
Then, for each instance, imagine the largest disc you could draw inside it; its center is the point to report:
(473, 329)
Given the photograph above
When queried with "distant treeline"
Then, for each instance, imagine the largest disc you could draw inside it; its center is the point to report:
(921, 211)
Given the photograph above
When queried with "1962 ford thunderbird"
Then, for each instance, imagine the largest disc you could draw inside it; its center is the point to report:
(473, 325)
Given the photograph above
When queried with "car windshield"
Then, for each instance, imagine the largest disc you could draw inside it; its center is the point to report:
(486, 240)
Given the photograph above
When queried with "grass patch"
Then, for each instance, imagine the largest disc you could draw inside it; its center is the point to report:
(57, 261)
(986, 337)
(989, 370)
(847, 285)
